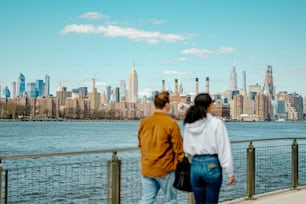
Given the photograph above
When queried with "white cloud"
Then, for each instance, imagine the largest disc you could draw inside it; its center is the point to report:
(174, 72)
(82, 29)
(98, 83)
(206, 52)
(198, 52)
(130, 33)
(225, 50)
(93, 16)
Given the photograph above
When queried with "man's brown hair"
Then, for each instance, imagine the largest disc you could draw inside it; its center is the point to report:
(161, 99)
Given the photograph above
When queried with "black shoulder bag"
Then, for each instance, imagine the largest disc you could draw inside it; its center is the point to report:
(182, 176)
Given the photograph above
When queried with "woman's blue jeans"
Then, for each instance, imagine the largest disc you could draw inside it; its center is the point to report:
(206, 178)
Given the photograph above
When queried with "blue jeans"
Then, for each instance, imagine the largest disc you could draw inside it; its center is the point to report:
(206, 178)
(151, 186)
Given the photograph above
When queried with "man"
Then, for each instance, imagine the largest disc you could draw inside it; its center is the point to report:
(161, 146)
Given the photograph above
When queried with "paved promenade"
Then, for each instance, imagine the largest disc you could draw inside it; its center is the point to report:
(277, 197)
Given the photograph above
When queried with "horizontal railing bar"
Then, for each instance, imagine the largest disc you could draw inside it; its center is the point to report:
(267, 139)
(35, 156)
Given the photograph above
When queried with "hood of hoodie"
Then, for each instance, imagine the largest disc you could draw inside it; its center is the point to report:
(198, 127)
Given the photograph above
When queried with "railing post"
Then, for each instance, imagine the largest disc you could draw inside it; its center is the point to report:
(108, 182)
(116, 178)
(6, 187)
(250, 171)
(295, 164)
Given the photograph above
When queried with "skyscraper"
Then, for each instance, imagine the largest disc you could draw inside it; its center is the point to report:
(233, 79)
(108, 93)
(262, 107)
(46, 91)
(117, 94)
(21, 85)
(32, 90)
(7, 93)
(269, 88)
(122, 91)
(244, 83)
(133, 86)
(39, 87)
(94, 97)
(13, 90)
(253, 91)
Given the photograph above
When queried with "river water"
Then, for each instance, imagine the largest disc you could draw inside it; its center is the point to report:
(45, 137)
(21, 138)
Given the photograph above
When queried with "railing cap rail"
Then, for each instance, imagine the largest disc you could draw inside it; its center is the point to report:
(35, 156)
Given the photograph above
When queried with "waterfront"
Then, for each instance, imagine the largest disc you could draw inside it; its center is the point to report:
(50, 137)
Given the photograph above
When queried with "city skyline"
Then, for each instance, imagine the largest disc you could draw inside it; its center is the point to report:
(41, 87)
(74, 42)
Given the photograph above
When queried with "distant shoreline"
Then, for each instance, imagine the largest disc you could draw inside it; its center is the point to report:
(63, 120)
(115, 120)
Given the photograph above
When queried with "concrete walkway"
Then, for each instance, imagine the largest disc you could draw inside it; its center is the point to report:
(277, 197)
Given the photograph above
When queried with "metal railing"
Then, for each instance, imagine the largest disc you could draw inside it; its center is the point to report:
(113, 176)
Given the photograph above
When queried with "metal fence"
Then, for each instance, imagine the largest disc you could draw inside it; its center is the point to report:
(113, 176)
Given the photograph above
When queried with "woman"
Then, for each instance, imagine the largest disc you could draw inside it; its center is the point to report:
(206, 140)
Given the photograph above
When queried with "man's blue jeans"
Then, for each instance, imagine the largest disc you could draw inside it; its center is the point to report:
(206, 178)
(151, 186)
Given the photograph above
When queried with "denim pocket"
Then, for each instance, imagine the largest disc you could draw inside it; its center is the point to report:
(213, 169)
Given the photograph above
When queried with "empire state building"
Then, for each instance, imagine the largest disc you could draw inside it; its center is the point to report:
(133, 86)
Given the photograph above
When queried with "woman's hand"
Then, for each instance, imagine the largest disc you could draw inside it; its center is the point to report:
(232, 180)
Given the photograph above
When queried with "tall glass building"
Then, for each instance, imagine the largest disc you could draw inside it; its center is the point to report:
(39, 87)
(21, 85)
(7, 92)
(46, 91)
(233, 79)
(108, 93)
(31, 90)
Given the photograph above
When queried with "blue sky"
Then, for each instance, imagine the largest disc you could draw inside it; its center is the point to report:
(75, 40)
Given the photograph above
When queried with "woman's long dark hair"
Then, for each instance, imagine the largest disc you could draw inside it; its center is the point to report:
(199, 109)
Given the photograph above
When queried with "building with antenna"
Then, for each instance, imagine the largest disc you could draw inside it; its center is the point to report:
(233, 80)
(133, 86)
